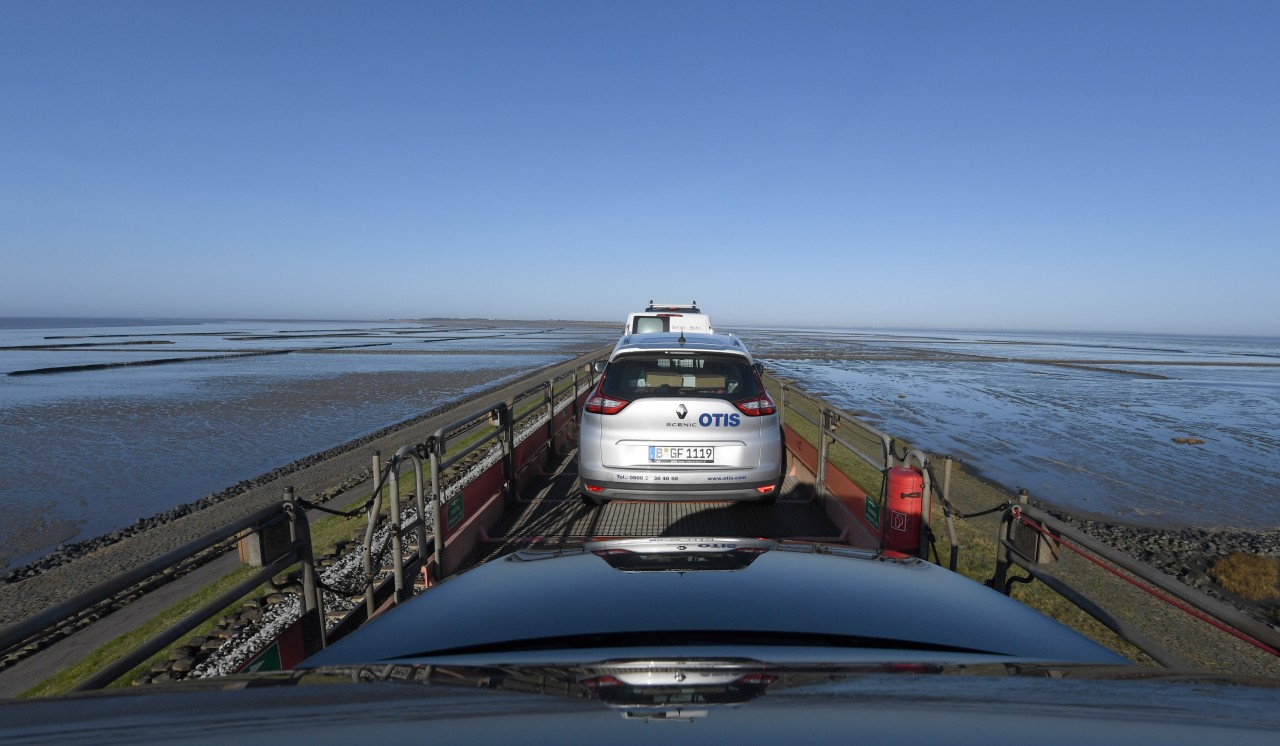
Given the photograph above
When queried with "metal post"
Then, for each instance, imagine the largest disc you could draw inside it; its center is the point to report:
(551, 420)
(508, 439)
(821, 477)
(313, 632)
(951, 519)
(886, 451)
(369, 600)
(437, 503)
(926, 514)
(999, 580)
(420, 503)
(574, 404)
(782, 402)
(393, 525)
(886, 463)
(926, 501)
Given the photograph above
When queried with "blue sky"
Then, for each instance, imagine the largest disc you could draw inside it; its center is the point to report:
(948, 164)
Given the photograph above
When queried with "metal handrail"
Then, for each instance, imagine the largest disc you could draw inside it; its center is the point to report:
(435, 450)
(298, 551)
(1087, 605)
(500, 415)
(833, 420)
(503, 423)
(395, 530)
(840, 418)
(418, 524)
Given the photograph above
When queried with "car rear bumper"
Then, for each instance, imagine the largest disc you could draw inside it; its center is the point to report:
(734, 491)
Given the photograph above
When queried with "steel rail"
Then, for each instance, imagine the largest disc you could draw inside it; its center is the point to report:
(18, 632)
(1234, 618)
(153, 645)
(1088, 606)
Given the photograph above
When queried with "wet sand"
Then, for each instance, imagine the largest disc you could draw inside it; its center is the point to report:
(320, 476)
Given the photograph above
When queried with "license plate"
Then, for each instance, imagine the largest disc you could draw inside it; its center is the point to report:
(682, 454)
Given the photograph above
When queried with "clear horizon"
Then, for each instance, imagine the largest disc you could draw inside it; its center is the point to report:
(921, 164)
(726, 326)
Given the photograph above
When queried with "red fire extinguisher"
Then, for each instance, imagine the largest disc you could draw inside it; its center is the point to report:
(904, 493)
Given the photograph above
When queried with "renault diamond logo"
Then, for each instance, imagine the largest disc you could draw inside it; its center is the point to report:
(681, 411)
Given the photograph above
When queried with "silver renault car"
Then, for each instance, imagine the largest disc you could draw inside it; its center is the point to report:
(680, 416)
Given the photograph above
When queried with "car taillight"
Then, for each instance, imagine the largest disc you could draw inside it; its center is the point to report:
(759, 406)
(596, 682)
(598, 403)
(766, 489)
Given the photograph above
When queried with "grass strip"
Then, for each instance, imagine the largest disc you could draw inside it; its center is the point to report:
(64, 680)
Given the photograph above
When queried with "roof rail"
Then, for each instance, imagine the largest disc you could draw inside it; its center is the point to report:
(690, 307)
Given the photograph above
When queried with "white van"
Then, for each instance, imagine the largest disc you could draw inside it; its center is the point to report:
(668, 317)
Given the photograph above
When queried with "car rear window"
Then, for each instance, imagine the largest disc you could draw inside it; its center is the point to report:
(685, 374)
(650, 324)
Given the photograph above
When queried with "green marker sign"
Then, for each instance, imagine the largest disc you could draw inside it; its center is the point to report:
(871, 511)
(269, 660)
(455, 511)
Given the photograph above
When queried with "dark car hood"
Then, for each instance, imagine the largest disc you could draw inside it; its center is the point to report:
(843, 603)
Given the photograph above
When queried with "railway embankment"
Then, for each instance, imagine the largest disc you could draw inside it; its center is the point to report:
(1193, 555)
(76, 567)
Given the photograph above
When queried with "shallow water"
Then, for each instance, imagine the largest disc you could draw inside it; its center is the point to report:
(87, 452)
(1097, 439)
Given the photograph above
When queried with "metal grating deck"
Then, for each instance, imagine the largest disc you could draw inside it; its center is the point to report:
(550, 516)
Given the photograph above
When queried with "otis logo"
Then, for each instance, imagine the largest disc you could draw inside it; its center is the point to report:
(719, 420)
